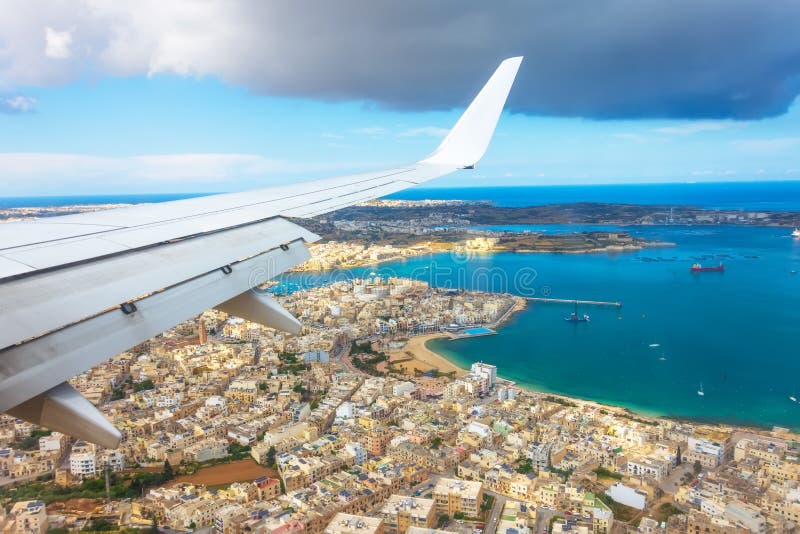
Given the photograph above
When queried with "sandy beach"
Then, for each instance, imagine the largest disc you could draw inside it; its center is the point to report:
(424, 358)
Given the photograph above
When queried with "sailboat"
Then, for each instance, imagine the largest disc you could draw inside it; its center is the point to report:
(793, 396)
(700, 391)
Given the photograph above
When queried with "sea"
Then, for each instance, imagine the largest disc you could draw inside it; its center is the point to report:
(733, 334)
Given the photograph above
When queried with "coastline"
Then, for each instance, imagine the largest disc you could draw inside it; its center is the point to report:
(618, 408)
(423, 358)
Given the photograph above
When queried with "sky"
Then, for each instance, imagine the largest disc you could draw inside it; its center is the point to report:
(215, 95)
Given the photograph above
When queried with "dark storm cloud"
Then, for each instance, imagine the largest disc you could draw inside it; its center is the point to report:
(598, 59)
(613, 59)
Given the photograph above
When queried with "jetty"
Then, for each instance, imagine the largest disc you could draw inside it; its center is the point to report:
(574, 301)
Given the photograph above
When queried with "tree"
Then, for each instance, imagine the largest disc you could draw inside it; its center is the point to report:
(697, 467)
(154, 526)
(680, 456)
(436, 442)
(168, 473)
(143, 385)
(99, 525)
(271, 456)
(443, 519)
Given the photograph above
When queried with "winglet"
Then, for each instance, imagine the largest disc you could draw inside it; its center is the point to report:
(467, 141)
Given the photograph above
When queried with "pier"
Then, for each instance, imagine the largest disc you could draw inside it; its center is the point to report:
(574, 301)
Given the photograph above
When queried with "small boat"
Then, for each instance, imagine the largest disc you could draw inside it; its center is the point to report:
(575, 318)
(698, 268)
(793, 396)
(700, 391)
(662, 359)
(796, 233)
(654, 345)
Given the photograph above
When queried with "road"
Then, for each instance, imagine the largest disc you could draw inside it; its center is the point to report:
(497, 510)
(543, 517)
(672, 482)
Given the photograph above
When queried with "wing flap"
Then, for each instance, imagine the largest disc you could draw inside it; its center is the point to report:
(262, 309)
(31, 368)
(35, 305)
(65, 410)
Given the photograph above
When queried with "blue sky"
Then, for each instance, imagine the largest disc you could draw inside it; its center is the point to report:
(139, 96)
(170, 133)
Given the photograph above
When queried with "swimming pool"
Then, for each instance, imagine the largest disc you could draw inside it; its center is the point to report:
(478, 331)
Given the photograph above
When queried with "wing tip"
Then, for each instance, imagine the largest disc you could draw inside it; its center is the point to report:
(468, 140)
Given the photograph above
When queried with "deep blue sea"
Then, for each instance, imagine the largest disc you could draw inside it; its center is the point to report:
(735, 332)
(767, 196)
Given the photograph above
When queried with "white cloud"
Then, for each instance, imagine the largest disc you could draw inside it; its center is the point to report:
(372, 131)
(767, 146)
(714, 173)
(690, 128)
(57, 44)
(25, 172)
(630, 137)
(163, 167)
(426, 131)
(17, 104)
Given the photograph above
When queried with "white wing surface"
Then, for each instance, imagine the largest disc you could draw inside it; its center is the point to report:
(78, 289)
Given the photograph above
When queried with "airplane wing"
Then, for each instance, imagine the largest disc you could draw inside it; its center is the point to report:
(78, 289)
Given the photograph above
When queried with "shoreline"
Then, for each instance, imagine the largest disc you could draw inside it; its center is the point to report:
(528, 389)
(423, 358)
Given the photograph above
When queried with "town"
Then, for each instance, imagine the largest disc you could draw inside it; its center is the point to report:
(232, 427)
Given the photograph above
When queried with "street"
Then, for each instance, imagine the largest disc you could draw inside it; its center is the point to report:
(494, 516)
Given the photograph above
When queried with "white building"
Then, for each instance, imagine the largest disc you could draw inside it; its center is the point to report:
(627, 496)
(707, 449)
(345, 410)
(539, 455)
(53, 442)
(82, 461)
(480, 429)
(401, 388)
(113, 458)
(746, 515)
(647, 467)
(485, 370)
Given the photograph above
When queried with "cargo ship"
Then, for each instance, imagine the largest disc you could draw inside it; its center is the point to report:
(697, 268)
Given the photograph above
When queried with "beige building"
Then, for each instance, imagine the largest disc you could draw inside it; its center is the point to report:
(28, 517)
(400, 512)
(454, 496)
(354, 524)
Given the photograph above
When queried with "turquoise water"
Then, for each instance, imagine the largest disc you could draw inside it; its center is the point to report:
(737, 332)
